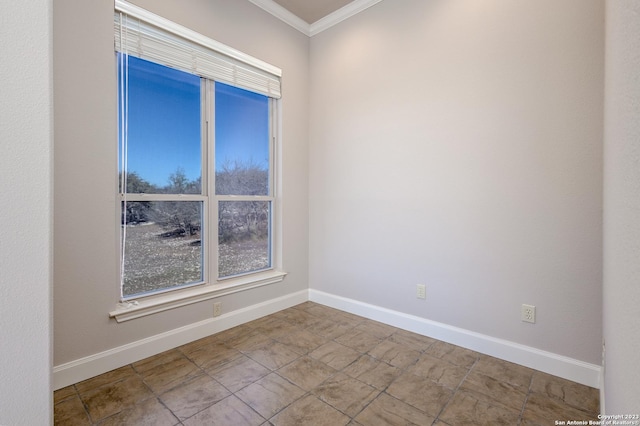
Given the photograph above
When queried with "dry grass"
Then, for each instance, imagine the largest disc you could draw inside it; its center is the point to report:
(153, 262)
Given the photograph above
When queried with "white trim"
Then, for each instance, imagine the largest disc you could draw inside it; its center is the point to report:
(320, 25)
(132, 309)
(188, 34)
(84, 368)
(340, 15)
(284, 15)
(557, 365)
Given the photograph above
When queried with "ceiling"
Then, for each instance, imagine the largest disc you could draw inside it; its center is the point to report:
(311, 11)
(311, 17)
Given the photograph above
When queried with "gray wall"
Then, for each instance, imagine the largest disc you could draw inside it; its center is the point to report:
(85, 215)
(26, 167)
(621, 288)
(458, 144)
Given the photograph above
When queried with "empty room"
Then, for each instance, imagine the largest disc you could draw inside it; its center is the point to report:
(280, 212)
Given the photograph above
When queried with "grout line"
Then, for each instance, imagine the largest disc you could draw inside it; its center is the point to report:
(526, 399)
(455, 391)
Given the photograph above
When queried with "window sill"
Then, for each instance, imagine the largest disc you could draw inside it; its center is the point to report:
(139, 308)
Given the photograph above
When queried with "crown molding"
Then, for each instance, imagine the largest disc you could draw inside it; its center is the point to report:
(320, 25)
(340, 15)
(284, 15)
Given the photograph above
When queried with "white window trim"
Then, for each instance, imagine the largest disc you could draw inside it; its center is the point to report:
(149, 305)
(212, 287)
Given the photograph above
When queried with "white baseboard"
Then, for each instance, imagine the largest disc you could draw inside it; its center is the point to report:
(93, 365)
(557, 365)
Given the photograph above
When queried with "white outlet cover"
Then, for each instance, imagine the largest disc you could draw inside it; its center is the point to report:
(528, 313)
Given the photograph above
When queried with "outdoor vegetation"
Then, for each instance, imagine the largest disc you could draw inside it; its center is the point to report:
(163, 239)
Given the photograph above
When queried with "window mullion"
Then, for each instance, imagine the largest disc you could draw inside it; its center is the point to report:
(244, 198)
(163, 197)
(212, 229)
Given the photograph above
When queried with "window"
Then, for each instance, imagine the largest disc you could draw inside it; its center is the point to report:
(196, 159)
(242, 180)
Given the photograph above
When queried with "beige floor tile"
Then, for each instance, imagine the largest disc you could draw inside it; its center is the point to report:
(302, 341)
(213, 355)
(395, 354)
(157, 360)
(297, 317)
(420, 392)
(310, 411)
(275, 327)
(260, 322)
(372, 372)
(239, 373)
(347, 319)
(272, 354)
(305, 305)
(110, 399)
(388, 411)
(441, 372)
(192, 346)
(453, 354)
(229, 411)
(64, 393)
(306, 372)
(377, 329)
(346, 394)
(514, 374)
(233, 333)
(70, 412)
(493, 391)
(322, 311)
(148, 413)
(359, 340)
(105, 379)
(327, 328)
(573, 394)
(335, 355)
(193, 396)
(466, 409)
(270, 394)
(163, 377)
(412, 340)
(247, 341)
(543, 410)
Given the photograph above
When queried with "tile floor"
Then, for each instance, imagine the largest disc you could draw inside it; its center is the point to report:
(314, 365)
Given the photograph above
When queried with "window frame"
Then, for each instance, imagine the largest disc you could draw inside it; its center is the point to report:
(212, 285)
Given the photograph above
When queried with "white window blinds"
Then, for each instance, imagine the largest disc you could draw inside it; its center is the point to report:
(141, 33)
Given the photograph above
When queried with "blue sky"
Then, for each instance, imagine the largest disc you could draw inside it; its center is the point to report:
(164, 123)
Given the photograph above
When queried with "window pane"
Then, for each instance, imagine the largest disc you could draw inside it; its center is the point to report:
(162, 245)
(162, 119)
(243, 237)
(242, 142)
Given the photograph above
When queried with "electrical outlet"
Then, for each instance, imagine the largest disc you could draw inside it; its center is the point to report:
(421, 291)
(217, 309)
(529, 313)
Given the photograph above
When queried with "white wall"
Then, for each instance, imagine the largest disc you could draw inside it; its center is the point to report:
(458, 144)
(86, 217)
(622, 208)
(26, 149)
